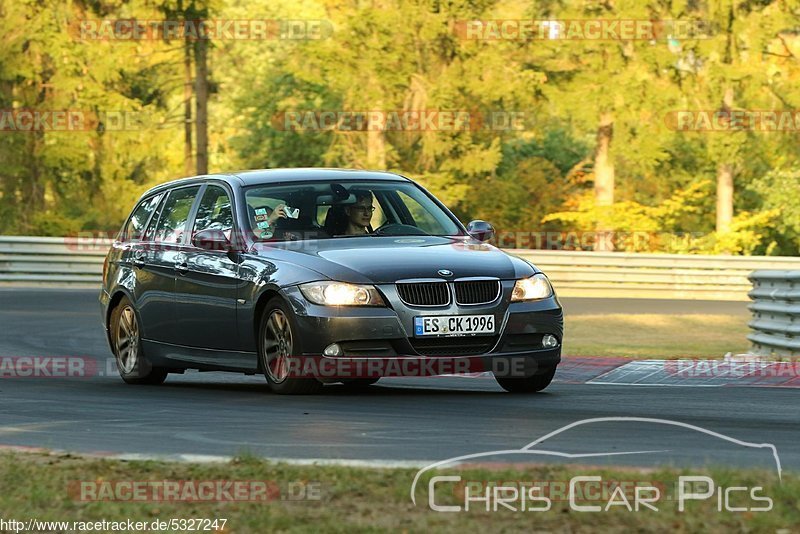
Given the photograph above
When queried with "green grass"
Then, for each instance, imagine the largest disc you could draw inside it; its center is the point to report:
(655, 336)
(372, 500)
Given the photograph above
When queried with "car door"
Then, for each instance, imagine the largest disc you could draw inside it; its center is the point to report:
(133, 246)
(157, 263)
(207, 283)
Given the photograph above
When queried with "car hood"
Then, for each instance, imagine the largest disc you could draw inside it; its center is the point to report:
(382, 260)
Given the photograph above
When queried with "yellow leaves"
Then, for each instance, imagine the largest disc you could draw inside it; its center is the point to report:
(621, 216)
(682, 202)
(746, 233)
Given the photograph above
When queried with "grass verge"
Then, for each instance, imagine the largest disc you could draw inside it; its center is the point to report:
(376, 500)
(655, 336)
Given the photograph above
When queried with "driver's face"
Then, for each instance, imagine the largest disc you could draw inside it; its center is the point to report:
(361, 213)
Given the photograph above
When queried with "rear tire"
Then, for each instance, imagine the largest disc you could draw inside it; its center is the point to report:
(530, 384)
(126, 343)
(278, 346)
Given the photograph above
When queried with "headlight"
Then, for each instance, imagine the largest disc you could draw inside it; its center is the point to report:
(341, 294)
(534, 288)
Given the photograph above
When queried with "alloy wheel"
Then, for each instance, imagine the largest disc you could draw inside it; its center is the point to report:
(277, 345)
(127, 340)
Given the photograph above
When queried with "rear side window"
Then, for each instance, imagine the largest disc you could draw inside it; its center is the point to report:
(214, 211)
(135, 228)
(151, 228)
(175, 214)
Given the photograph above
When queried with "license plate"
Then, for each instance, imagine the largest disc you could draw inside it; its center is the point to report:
(453, 325)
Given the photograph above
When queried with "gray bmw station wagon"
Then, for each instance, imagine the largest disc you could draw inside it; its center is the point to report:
(314, 276)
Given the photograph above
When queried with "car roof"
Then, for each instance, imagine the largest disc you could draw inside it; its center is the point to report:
(299, 175)
(265, 176)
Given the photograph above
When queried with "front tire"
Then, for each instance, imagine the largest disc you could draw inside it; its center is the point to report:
(132, 364)
(278, 346)
(530, 384)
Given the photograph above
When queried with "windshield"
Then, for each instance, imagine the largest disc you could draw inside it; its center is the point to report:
(323, 210)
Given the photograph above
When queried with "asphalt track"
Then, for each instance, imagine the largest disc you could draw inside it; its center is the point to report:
(405, 420)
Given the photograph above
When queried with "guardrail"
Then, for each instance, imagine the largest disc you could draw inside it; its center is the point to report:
(54, 261)
(669, 276)
(77, 262)
(776, 313)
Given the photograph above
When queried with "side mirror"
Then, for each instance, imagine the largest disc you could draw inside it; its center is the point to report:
(481, 230)
(211, 239)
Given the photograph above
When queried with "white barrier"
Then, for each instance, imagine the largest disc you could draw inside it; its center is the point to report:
(670, 276)
(54, 261)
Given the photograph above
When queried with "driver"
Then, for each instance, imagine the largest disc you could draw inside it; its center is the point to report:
(359, 215)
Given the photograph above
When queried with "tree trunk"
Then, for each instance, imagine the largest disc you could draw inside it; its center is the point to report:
(376, 149)
(725, 179)
(7, 179)
(376, 134)
(724, 197)
(32, 188)
(188, 157)
(603, 165)
(201, 97)
(604, 177)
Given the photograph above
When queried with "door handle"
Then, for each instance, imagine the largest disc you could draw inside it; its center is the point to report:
(182, 267)
(138, 258)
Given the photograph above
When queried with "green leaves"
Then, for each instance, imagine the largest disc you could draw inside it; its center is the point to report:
(395, 56)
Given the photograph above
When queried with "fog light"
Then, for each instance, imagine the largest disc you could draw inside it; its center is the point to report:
(332, 350)
(549, 341)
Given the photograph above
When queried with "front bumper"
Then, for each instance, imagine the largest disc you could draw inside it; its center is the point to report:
(374, 340)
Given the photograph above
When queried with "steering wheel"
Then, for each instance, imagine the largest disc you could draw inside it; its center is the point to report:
(388, 229)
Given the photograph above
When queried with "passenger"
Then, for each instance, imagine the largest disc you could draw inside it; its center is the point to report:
(264, 220)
